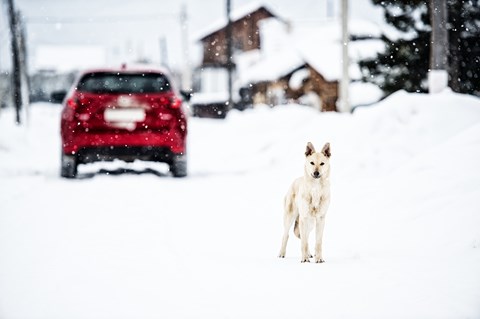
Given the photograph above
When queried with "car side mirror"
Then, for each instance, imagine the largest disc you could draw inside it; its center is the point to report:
(186, 95)
(58, 96)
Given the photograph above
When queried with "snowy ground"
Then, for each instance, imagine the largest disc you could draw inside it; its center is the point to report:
(402, 237)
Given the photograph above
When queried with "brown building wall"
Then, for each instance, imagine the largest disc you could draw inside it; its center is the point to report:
(326, 90)
(246, 37)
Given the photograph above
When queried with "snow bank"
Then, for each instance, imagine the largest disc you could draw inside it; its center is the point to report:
(401, 238)
(363, 93)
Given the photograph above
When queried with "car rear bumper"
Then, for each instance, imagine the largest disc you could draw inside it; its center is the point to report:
(125, 153)
(170, 140)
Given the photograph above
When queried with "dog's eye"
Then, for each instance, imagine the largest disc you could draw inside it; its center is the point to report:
(322, 163)
(312, 163)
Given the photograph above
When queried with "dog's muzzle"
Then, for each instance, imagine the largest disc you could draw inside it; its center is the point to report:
(316, 174)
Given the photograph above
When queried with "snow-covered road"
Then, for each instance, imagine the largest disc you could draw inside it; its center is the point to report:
(402, 238)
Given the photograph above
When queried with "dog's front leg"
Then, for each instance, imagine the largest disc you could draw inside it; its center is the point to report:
(305, 228)
(320, 221)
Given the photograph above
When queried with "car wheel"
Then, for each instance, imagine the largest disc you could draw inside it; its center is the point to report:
(179, 166)
(69, 166)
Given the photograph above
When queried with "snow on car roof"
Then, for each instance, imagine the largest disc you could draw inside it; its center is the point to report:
(127, 68)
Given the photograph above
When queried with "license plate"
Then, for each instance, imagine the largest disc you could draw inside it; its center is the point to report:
(124, 115)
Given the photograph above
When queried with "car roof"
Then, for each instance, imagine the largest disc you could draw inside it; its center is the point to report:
(129, 68)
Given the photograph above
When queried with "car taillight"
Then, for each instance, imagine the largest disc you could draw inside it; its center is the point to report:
(72, 103)
(76, 102)
(175, 103)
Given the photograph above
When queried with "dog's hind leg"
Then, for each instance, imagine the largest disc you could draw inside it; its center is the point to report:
(288, 220)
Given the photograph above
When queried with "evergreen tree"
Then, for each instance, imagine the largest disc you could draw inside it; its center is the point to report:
(405, 62)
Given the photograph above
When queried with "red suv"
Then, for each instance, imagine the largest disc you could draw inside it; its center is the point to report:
(127, 114)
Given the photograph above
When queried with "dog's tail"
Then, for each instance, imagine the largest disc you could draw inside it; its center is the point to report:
(296, 228)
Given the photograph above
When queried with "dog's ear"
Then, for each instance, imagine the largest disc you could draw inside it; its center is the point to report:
(326, 150)
(310, 149)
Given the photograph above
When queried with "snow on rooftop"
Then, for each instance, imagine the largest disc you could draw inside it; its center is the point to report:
(285, 50)
(68, 58)
(321, 47)
(272, 67)
(297, 78)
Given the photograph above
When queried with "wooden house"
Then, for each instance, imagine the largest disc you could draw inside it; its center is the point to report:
(245, 33)
(314, 52)
(280, 90)
(279, 53)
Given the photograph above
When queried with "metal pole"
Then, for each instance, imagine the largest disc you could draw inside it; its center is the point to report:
(438, 75)
(163, 52)
(330, 13)
(25, 87)
(16, 68)
(187, 75)
(229, 55)
(345, 81)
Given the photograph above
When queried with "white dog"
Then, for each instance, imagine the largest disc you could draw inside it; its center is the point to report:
(307, 202)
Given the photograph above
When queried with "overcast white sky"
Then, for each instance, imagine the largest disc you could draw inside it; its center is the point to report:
(132, 29)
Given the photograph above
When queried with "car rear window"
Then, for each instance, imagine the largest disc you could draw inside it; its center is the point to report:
(103, 82)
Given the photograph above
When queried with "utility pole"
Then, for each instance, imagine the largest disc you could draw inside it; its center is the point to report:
(163, 52)
(329, 9)
(25, 87)
(438, 75)
(229, 55)
(345, 81)
(16, 63)
(187, 74)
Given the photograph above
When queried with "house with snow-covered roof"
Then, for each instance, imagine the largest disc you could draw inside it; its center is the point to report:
(211, 89)
(277, 63)
(303, 64)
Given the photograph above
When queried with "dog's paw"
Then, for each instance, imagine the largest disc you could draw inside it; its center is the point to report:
(319, 260)
(305, 260)
(281, 256)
